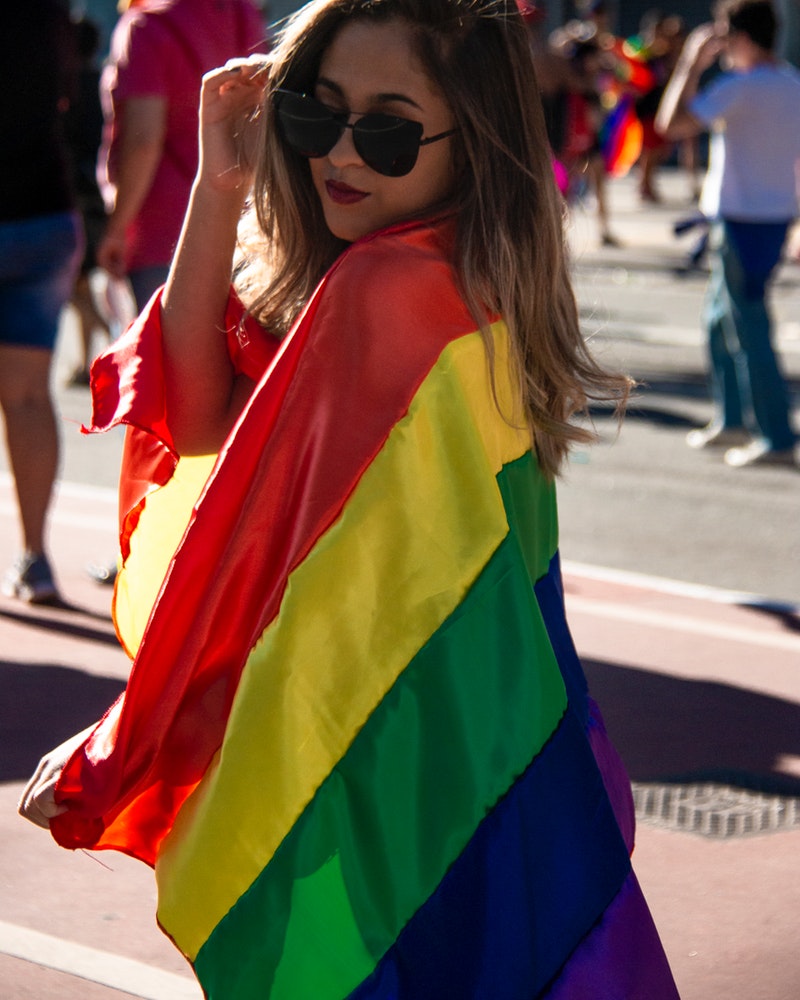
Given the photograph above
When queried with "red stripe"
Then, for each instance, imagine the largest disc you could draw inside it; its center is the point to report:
(128, 387)
(344, 377)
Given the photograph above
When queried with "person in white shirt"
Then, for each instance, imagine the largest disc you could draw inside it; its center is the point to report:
(751, 195)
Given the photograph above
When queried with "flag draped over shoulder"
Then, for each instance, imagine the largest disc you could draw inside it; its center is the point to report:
(356, 743)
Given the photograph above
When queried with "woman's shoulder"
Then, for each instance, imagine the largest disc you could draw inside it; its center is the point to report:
(391, 301)
(405, 271)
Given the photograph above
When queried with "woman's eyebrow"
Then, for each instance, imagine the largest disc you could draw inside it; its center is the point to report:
(387, 97)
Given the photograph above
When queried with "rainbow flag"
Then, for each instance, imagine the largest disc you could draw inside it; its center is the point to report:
(632, 64)
(356, 743)
(621, 137)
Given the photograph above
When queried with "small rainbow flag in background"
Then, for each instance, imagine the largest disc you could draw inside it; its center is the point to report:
(621, 137)
(356, 743)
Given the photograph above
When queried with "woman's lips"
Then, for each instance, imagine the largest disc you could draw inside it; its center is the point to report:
(343, 194)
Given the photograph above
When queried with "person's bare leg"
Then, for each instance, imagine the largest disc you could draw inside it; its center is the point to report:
(649, 162)
(89, 320)
(31, 435)
(82, 303)
(597, 178)
(689, 157)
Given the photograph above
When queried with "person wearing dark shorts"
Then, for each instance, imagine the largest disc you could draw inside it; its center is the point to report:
(40, 248)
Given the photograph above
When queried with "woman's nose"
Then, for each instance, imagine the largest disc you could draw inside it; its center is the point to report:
(344, 152)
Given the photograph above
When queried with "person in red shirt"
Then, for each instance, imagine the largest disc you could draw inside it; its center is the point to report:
(160, 50)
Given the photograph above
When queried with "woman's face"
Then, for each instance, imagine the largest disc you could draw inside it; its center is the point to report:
(373, 68)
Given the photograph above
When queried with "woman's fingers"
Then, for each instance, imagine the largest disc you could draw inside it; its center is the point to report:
(230, 96)
(231, 100)
(37, 802)
(250, 73)
(256, 65)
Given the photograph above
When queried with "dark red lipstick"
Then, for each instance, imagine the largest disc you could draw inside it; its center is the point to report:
(343, 194)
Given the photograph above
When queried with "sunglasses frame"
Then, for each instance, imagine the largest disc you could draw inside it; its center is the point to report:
(407, 158)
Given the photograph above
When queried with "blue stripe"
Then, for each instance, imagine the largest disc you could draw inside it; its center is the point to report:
(549, 592)
(538, 874)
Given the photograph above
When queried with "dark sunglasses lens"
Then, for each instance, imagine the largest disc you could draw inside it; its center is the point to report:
(306, 125)
(389, 145)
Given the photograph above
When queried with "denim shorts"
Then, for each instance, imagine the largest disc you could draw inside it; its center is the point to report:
(39, 258)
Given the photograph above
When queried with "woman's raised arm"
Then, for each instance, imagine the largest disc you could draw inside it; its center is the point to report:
(204, 396)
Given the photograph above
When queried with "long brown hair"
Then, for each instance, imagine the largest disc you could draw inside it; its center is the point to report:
(510, 256)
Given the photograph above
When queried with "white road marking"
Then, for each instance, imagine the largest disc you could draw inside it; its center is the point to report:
(115, 971)
(664, 585)
(684, 624)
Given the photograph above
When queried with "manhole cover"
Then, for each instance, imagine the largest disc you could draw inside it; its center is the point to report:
(714, 810)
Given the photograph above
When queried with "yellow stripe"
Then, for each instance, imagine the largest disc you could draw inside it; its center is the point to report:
(159, 531)
(422, 523)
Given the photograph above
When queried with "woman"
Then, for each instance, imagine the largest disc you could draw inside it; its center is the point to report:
(357, 744)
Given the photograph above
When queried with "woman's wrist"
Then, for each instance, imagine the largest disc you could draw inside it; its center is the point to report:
(217, 203)
(222, 171)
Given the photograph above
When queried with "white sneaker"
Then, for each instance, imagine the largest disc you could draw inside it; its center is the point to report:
(30, 579)
(758, 453)
(716, 436)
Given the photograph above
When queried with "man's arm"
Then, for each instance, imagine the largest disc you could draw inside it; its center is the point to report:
(674, 121)
(139, 147)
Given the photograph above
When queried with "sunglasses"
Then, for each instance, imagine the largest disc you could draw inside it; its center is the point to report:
(386, 143)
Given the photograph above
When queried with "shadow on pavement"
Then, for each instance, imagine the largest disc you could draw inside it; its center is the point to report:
(687, 386)
(661, 418)
(661, 390)
(639, 411)
(677, 730)
(49, 623)
(690, 385)
(787, 615)
(42, 705)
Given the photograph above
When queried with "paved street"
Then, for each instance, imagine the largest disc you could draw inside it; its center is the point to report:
(683, 590)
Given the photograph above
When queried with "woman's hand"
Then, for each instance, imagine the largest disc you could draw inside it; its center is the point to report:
(37, 802)
(230, 105)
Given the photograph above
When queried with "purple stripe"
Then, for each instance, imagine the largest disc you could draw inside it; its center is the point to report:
(621, 959)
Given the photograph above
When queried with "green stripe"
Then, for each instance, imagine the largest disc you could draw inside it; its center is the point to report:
(400, 807)
(530, 506)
